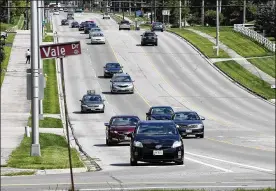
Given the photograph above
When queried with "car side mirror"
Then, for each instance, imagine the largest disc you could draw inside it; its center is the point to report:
(130, 135)
(103, 99)
(202, 118)
(106, 124)
(104, 67)
(80, 100)
(110, 80)
(133, 80)
(148, 114)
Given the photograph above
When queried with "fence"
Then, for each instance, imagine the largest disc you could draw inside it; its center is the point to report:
(256, 36)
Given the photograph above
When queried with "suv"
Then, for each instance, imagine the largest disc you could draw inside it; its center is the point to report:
(64, 22)
(149, 38)
(92, 102)
(157, 26)
(121, 83)
(106, 16)
(89, 26)
(124, 25)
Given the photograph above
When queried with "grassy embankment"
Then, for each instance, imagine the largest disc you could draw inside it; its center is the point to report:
(231, 68)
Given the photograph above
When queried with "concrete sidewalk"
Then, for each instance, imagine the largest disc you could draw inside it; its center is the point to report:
(238, 58)
(15, 108)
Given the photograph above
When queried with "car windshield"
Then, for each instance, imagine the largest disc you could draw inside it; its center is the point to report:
(157, 23)
(186, 116)
(113, 65)
(124, 22)
(89, 98)
(122, 79)
(98, 35)
(162, 111)
(157, 129)
(95, 29)
(149, 34)
(124, 121)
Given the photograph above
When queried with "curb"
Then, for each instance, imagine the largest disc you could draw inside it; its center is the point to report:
(220, 71)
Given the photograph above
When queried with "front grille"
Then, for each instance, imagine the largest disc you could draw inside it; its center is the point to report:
(152, 146)
(122, 86)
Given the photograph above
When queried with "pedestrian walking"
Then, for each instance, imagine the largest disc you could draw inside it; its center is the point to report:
(28, 56)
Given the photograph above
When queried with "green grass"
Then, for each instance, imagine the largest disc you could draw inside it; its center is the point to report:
(48, 27)
(245, 78)
(266, 64)
(47, 122)
(50, 101)
(5, 26)
(54, 154)
(241, 44)
(203, 44)
(10, 38)
(271, 39)
(48, 38)
(5, 63)
(18, 173)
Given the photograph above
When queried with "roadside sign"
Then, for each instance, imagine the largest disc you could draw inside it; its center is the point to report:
(166, 12)
(60, 50)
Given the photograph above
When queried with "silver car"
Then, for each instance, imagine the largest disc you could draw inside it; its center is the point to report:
(92, 102)
(94, 30)
(121, 83)
(124, 25)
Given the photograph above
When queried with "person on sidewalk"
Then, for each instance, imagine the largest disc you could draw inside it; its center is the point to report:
(28, 56)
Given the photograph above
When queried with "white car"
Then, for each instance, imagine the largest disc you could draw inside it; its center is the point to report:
(61, 9)
(56, 12)
(94, 30)
(106, 16)
(98, 38)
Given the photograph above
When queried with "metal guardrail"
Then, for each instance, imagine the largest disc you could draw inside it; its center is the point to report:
(254, 35)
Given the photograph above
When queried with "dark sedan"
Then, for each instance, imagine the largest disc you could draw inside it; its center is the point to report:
(160, 113)
(112, 68)
(157, 26)
(189, 123)
(119, 127)
(156, 141)
(64, 22)
(149, 38)
(81, 27)
(75, 24)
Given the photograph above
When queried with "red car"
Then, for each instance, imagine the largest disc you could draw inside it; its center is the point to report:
(119, 127)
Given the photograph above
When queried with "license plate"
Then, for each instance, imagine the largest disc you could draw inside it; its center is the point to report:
(188, 131)
(127, 138)
(158, 152)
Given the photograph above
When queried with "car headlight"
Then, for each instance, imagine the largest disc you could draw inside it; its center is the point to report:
(130, 85)
(84, 105)
(106, 70)
(138, 144)
(121, 71)
(101, 106)
(177, 126)
(196, 126)
(177, 144)
(113, 132)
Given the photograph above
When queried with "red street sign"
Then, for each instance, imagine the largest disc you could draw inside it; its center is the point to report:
(60, 50)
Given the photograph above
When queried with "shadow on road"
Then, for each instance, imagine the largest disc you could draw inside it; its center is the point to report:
(114, 145)
(102, 77)
(89, 112)
(144, 164)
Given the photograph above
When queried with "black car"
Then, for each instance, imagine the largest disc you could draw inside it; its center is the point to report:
(81, 26)
(156, 141)
(112, 68)
(160, 113)
(92, 102)
(149, 38)
(64, 22)
(89, 26)
(189, 123)
(119, 127)
(157, 26)
(75, 24)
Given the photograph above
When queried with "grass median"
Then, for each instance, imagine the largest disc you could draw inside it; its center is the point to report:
(231, 68)
(48, 38)
(48, 27)
(47, 122)
(7, 51)
(54, 154)
(51, 100)
(261, 189)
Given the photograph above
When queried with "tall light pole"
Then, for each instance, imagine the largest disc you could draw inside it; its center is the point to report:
(180, 13)
(162, 14)
(202, 12)
(244, 11)
(217, 32)
(9, 12)
(35, 148)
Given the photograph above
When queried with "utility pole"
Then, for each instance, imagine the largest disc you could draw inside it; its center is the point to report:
(220, 2)
(151, 12)
(27, 15)
(180, 13)
(154, 11)
(244, 11)
(185, 5)
(9, 12)
(217, 32)
(35, 148)
(202, 12)
(162, 10)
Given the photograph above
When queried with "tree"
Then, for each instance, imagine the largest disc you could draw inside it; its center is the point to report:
(265, 19)
(211, 17)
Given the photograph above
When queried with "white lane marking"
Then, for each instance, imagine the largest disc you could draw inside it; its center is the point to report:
(174, 187)
(234, 163)
(206, 164)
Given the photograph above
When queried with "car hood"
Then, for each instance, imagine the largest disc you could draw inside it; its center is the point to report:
(89, 103)
(122, 83)
(153, 140)
(126, 129)
(162, 117)
(187, 122)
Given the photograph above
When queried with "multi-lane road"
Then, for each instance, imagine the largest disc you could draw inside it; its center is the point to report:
(239, 145)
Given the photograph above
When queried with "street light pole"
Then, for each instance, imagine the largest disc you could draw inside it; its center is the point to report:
(35, 148)
(244, 11)
(180, 13)
(217, 31)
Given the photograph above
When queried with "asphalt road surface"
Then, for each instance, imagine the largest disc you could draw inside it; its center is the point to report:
(239, 145)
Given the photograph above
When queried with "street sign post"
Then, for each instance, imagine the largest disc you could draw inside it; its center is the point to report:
(166, 12)
(61, 50)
